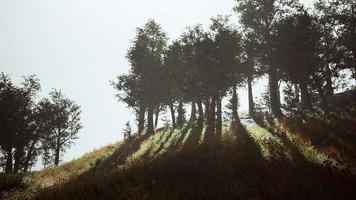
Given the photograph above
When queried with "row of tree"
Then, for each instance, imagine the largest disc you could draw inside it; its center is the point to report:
(31, 128)
(279, 38)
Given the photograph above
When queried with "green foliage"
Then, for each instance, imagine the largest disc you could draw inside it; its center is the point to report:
(339, 19)
(266, 101)
(291, 98)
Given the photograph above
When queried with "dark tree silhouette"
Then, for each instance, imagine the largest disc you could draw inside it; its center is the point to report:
(296, 45)
(17, 121)
(63, 125)
(340, 18)
(146, 59)
(260, 18)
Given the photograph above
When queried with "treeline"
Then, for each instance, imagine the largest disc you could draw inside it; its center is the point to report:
(30, 128)
(305, 49)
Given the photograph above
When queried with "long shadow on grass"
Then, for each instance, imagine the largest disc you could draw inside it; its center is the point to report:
(326, 136)
(224, 170)
(119, 156)
(244, 139)
(193, 139)
(268, 123)
(151, 152)
(178, 143)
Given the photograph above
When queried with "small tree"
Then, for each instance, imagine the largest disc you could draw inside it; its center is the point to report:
(291, 97)
(63, 124)
(266, 102)
(127, 131)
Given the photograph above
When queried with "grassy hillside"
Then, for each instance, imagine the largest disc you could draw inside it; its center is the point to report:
(252, 164)
(269, 158)
(24, 186)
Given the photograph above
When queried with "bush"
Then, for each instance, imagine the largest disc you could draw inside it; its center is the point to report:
(10, 181)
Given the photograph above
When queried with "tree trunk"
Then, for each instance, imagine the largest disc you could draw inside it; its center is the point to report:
(323, 101)
(141, 120)
(273, 91)
(251, 104)
(171, 107)
(201, 113)
(193, 113)
(207, 107)
(296, 90)
(218, 119)
(329, 90)
(58, 149)
(210, 130)
(17, 159)
(234, 104)
(180, 118)
(150, 128)
(8, 167)
(306, 104)
(322, 97)
(235, 115)
(156, 117)
(354, 65)
(213, 115)
(29, 156)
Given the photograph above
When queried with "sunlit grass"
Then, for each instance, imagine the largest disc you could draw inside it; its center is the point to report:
(187, 135)
(202, 135)
(308, 151)
(38, 180)
(159, 143)
(174, 137)
(260, 134)
(147, 146)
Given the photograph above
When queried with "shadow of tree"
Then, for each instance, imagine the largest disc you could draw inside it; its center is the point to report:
(178, 143)
(323, 136)
(193, 139)
(120, 155)
(228, 169)
(148, 153)
(269, 123)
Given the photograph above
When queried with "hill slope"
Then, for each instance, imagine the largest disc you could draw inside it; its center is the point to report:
(268, 159)
(34, 182)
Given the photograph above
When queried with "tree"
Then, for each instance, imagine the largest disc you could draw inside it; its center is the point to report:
(228, 45)
(146, 59)
(63, 124)
(191, 73)
(127, 131)
(17, 121)
(251, 66)
(130, 91)
(340, 17)
(259, 17)
(297, 42)
(176, 80)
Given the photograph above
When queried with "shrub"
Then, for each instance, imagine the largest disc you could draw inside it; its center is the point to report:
(10, 181)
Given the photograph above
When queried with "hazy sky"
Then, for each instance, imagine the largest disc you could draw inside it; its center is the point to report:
(79, 45)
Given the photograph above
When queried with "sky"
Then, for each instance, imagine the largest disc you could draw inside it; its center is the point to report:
(78, 46)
